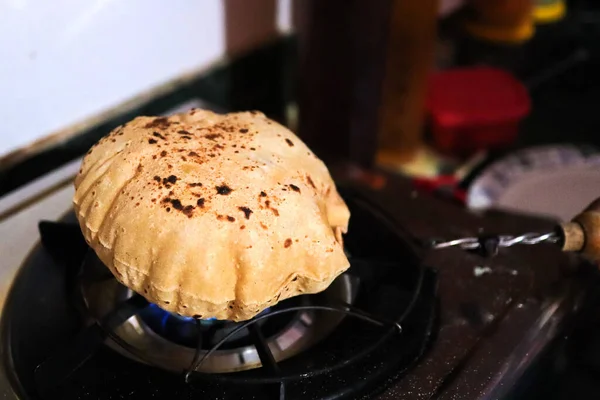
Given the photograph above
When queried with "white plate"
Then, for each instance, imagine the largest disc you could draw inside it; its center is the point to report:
(553, 181)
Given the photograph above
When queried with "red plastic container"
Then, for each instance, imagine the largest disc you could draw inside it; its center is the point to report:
(475, 108)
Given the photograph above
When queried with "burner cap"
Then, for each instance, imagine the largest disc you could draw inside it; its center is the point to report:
(169, 341)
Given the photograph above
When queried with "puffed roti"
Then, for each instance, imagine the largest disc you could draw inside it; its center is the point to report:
(210, 215)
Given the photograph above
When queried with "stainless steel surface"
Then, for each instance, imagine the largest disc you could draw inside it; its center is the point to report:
(11, 203)
(19, 235)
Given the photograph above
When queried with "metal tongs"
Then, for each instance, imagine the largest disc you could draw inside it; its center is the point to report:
(582, 235)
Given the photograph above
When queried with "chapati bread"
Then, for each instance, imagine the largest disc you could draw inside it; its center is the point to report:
(212, 215)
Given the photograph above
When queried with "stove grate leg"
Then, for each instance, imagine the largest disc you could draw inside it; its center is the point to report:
(55, 370)
(267, 359)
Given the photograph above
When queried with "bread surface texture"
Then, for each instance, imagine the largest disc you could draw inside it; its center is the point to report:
(212, 215)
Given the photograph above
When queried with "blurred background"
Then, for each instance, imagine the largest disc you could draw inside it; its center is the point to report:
(89, 57)
(443, 91)
(491, 104)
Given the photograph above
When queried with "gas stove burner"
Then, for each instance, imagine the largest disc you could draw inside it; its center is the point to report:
(170, 341)
(341, 343)
(184, 330)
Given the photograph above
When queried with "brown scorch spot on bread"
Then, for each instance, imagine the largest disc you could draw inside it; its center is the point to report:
(212, 215)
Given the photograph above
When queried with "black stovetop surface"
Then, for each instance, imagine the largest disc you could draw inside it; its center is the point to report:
(460, 335)
(55, 356)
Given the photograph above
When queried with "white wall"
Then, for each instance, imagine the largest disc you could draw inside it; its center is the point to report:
(62, 61)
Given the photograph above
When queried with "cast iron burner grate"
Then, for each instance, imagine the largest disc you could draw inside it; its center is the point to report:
(52, 356)
(170, 341)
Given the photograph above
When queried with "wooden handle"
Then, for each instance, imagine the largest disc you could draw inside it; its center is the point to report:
(582, 234)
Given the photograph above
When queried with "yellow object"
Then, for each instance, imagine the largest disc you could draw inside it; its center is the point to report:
(425, 163)
(506, 34)
(504, 21)
(548, 11)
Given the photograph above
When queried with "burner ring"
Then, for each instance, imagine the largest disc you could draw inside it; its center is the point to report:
(101, 292)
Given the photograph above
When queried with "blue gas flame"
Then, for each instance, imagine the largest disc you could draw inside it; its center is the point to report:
(177, 328)
(154, 312)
